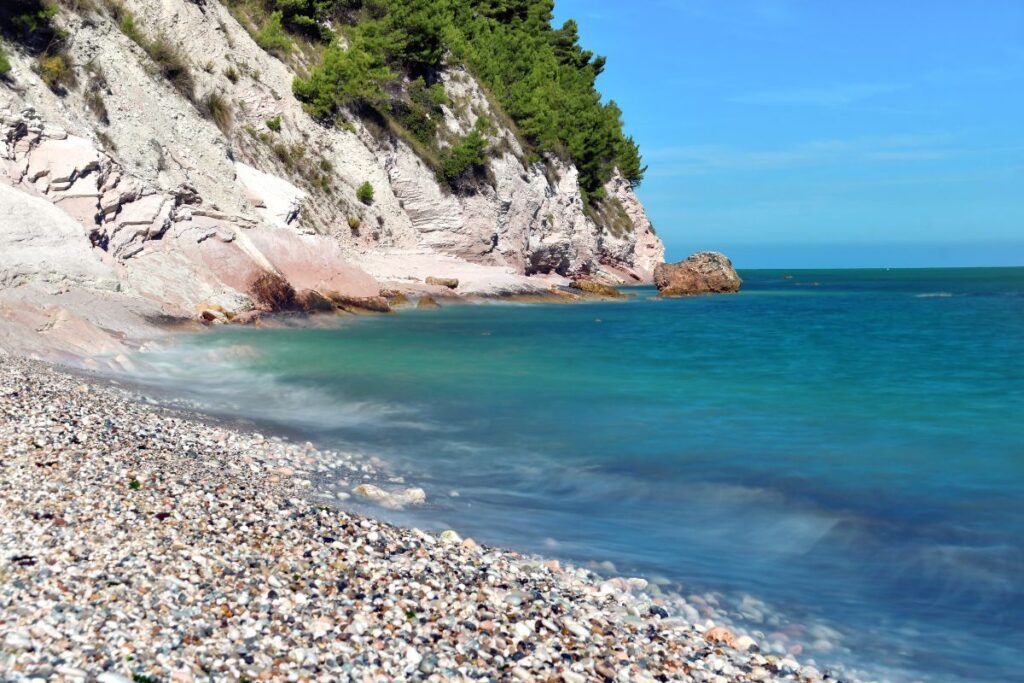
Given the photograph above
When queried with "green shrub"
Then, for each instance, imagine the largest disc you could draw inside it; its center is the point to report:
(284, 155)
(420, 113)
(56, 71)
(468, 154)
(30, 22)
(272, 37)
(274, 124)
(172, 65)
(345, 77)
(169, 61)
(232, 74)
(354, 223)
(365, 193)
(540, 80)
(437, 95)
(629, 162)
(126, 22)
(216, 107)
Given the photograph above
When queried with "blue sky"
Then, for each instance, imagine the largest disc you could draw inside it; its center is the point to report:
(823, 133)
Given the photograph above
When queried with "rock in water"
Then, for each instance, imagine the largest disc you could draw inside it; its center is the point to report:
(706, 272)
(598, 288)
(427, 302)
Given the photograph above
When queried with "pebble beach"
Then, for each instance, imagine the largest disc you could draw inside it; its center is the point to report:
(144, 544)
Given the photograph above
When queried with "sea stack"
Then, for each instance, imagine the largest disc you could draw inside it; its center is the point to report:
(706, 272)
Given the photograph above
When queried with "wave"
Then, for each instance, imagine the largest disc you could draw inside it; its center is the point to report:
(934, 295)
(222, 381)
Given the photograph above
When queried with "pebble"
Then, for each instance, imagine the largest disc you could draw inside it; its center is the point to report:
(141, 543)
(450, 536)
(744, 643)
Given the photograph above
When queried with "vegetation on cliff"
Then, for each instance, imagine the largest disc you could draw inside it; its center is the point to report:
(29, 22)
(386, 56)
(381, 60)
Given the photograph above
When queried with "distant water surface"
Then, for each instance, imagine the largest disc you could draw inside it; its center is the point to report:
(847, 446)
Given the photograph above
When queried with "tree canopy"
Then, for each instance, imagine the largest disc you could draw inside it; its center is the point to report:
(540, 75)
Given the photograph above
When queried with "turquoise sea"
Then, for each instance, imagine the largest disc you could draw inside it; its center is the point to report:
(836, 455)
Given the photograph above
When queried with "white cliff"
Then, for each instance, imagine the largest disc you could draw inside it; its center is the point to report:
(171, 211)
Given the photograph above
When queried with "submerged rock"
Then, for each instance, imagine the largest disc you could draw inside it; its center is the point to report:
(370, 492)
(312, 301)
(395, 298)
(427, 302)
(706, 272)
(395, 500)
(598, 288)
(368, 304)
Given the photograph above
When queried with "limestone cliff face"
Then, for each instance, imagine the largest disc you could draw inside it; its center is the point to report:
(185, 213)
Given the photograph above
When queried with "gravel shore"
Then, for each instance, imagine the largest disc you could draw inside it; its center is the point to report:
(142, 544)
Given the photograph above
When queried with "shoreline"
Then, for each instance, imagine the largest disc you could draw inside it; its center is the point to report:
(103, 331)
(85, 499)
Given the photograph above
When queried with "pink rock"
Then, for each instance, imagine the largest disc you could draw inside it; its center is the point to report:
(720, 636)
(82, 209)
(312, 262)
(142, 211)
(706, 272)
(62, 160)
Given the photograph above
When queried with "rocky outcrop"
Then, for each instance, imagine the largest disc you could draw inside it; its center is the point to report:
(41, 243)
(167, 244)
(172, 211)
(706, 272)
(635, 251)
(596, 288)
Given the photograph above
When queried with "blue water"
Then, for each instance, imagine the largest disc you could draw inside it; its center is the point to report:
(847, 446)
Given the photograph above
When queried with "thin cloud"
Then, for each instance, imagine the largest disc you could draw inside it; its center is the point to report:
(706, 159)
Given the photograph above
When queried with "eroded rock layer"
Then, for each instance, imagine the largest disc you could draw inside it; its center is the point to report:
(122, 184)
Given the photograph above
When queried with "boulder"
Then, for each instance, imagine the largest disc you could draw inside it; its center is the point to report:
(600, 289)
(706, 272)
(449, 282)
(395, 500)
(371, 493)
